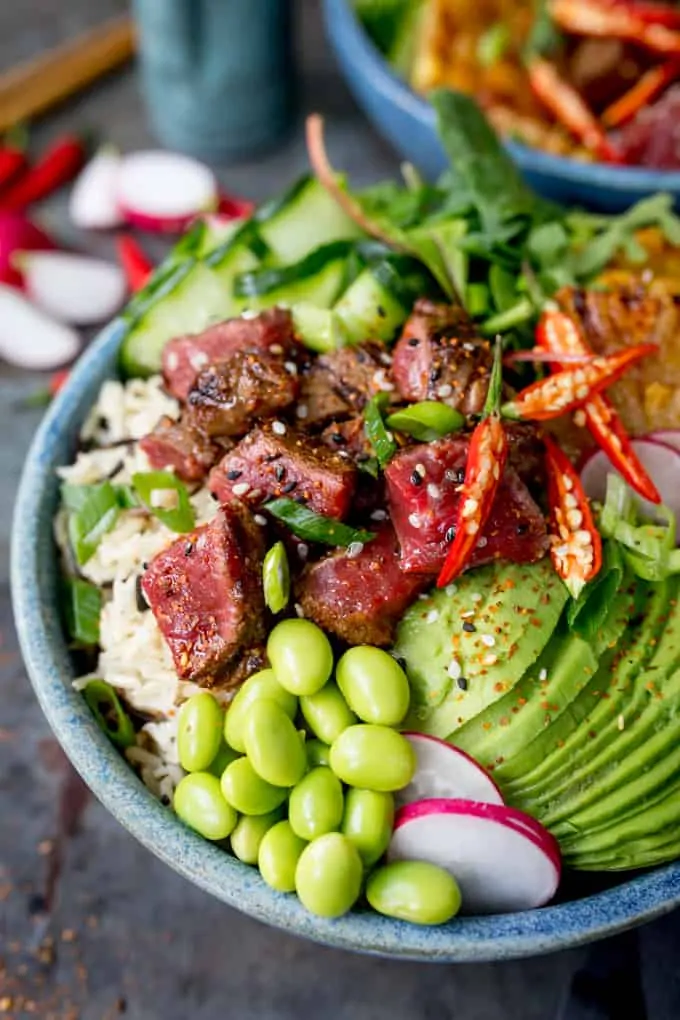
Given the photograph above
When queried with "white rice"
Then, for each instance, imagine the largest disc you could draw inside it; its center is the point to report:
(127, 411)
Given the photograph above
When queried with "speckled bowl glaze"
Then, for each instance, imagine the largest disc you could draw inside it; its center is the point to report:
(407, 121)
(34, 588)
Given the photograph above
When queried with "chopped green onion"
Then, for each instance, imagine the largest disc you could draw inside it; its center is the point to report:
(153, 488)
(520, 313)
(477, 300)
(109, 714)
(82, 606)
(313, 527)
(369, 466)
(493, 44)
(427, 421)
(93, 510)
(276, 578)
(378, 436)
(127, 499)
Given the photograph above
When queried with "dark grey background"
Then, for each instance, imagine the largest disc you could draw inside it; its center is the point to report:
(91, 925)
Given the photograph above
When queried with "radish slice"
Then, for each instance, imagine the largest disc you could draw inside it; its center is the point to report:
(163, 191)
(94, 204)
(662, 464)
(446, 771)
(75, 289)
(18, 234)
(30, 338)
(667, 437)
(499, 863)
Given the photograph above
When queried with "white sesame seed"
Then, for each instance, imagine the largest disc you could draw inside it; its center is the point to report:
(451, 589)
(302, 411)
(444, 391)
(259, 519)
(476, 597)
(490, 660)
(432, 616)
(621, 722)
(482, 542)
(467, 614)
(543, 674)
(433, 491)
(249, 313)
(379, 515)
(354, 548)
(198, 360)
(489, 640)
(279, 428)
(299, 611)
(240, 489)
(276, 348)
(468, 347)
(385, 358)
(455, 669)
(290, 367)
(414, 520)
(173, 361)
(303, 550)
(420, 470)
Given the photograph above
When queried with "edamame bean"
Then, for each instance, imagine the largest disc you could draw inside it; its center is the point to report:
(225, 756)
(273, 744)
(199, 732)
(199, 802)
(249, 833)
(328, 875)
(260, 685)
(374, 685)
(373, 758)
(327, 713)
(301, 656)
(316, 804)
(318, 753)
(368, 822)
(248, 792)
(414, 891)
(279, 854)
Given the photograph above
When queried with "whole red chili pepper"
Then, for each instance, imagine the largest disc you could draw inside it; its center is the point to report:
(483, 472)
(572, 387)
(13, 160)
(558, 333)
(587, 17)
(234, 208)
(576, 549)
(567, 106)
(57, 166)
(134, 263)
(646, 88)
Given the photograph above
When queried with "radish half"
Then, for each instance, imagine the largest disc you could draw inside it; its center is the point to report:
(445, 771)
(163, 191)
(75, 289)
(661, 462)
(93, 204)
(29, 337)
(500, 863)
(667, 437)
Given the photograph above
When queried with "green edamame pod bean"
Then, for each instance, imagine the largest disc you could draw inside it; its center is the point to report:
(318, 753)
(276, 578)
(316, 804)
(249, 833)
(368, 822)
(273, 744)
(301, 656)
(225, 756)
(279, 854)
(374, 685)
(248, 792)
(199, 802)
(199, 732)
(373, 758)
(414, 891)
(260, 685)
(327, 713)
(328, 875)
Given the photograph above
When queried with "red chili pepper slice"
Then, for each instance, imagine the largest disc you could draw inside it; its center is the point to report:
(576, 549)
(234, 208)
(646, 88)
(572, 387)
(57, 380)
(558, 333)
(587, 17)
(648, 11)
(57, 166)
(134, 263)
(569, 109)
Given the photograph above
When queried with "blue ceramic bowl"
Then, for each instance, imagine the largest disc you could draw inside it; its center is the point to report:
(34, 589)
(407, 121)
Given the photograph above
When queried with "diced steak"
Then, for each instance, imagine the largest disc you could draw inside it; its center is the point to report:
(340, 383)
(227, 398)
(185, 356)
(182, 447)
(350, 437)
(441, 357)
(360, 598)
(267, 464)
(423, 484)
(205, 591)
(526, 453)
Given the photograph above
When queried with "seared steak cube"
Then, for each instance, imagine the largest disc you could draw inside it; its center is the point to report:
(360, 598)
(182, 447)
(185, 356)
(275, 460)
(348, 437)
(205, 591)
(424, 485)
(340, 383)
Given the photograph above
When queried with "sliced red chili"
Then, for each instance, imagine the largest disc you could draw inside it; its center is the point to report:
(576, 549)
(56, 167)
(572, 387)
(646, 88)
(134, 263)
(234, 208)
(588, 17)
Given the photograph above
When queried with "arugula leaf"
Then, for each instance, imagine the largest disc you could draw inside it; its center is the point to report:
(378, 436)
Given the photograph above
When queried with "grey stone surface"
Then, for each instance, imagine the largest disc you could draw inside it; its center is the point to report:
(126, 935)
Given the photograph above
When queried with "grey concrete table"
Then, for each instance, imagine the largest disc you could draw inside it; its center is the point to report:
(91, 925)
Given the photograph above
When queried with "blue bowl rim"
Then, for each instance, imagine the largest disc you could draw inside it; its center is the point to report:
(210, 867)
(341, 18)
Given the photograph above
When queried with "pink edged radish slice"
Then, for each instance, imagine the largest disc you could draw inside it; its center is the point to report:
(163, 191)
(30, 338)
(93, 204)
(445, 771)
(75, 289)
(667, 437)
(17, 233)
(660, 461)
(500, 862)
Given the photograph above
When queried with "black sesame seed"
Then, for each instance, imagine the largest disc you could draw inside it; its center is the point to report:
(469, 628)
(141, 602)
(462, 683)
(280, 472)
(145, 566)
(188, 548)
(213, 495)
(413, 341)
(165, 800)
(289, 486)
(234, 474)
(381, 311)
(337, 437)
(522, 529)
(416, 478)
(450, 534)
(302, 500)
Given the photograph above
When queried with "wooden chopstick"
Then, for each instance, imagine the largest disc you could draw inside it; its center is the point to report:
(33, 87)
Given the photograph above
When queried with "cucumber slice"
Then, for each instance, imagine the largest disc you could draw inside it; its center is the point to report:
(320, 329)
(216, 232)
(304, 219)
(317, 279)
(379, 300)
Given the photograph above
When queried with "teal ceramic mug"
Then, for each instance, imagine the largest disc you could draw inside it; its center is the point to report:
(217, 75)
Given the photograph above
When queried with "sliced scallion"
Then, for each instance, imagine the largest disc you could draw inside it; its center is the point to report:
(109, 714)
(276, 578)
(313, 527)
(82, 605)
(427, 421)
(157, 489)
(378, 436)
(93, 510)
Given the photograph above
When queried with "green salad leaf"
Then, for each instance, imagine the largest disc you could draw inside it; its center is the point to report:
(586, 615)
(647, 547)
